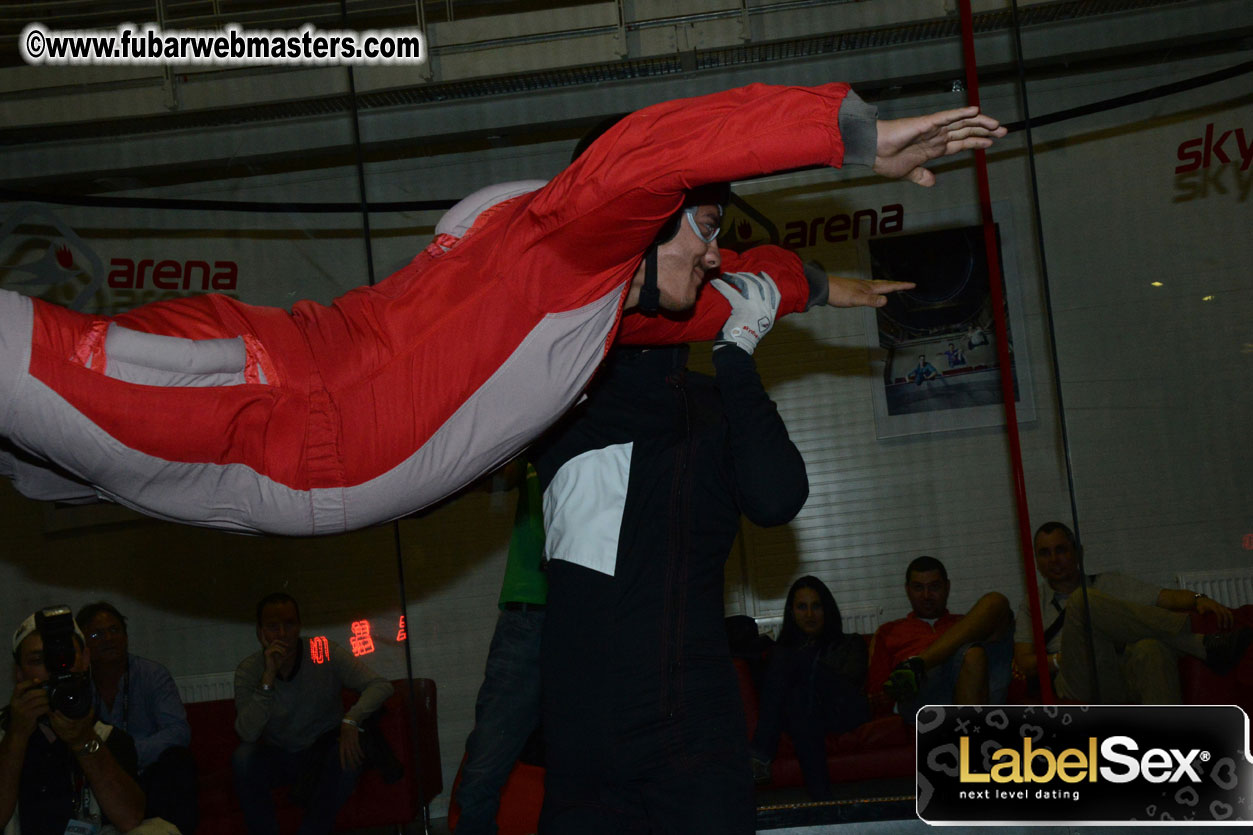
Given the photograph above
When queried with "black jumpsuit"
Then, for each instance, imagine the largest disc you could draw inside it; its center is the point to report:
(644, 726)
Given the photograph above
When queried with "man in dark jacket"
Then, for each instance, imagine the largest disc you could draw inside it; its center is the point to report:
(644, 487)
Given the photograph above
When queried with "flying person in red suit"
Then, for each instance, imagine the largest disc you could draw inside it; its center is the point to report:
(333, 417)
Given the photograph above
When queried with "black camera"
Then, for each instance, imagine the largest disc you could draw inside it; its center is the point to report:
(69, 692)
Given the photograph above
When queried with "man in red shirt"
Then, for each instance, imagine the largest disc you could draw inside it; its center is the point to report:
(933, 656)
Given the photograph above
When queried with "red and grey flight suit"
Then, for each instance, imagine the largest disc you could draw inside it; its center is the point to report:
(334, 417)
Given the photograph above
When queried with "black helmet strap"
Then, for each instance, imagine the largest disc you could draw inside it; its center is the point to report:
(650, 297)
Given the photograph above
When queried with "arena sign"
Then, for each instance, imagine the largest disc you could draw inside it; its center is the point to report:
(1084, 765)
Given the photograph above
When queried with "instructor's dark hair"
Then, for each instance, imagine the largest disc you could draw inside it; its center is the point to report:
(595, 132)
(790, 635)
(276, 597)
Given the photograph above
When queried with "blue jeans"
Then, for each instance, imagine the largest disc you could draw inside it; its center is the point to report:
(505, 714)
(259, 768)
(942, 681)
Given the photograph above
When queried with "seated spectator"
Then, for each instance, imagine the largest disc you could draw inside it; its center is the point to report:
(813, 687)
(139, 697)
(1138, 630)
(932, 656)
(289, 716)
(923, 372)
(60, 771)
(955, 356)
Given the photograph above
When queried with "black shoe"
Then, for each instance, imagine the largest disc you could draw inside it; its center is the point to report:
(1223, 650)
(906, 679)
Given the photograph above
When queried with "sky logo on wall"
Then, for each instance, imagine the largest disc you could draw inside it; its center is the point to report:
(1084, 765)
(35, 263)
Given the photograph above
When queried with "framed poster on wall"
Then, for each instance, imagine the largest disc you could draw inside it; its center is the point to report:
(936, 362)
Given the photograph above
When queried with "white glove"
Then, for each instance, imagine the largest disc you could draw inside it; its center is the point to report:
(754, 302)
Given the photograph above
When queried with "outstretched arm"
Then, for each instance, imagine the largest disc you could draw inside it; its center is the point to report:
(905, 145)
(799, 284)
(859, 292)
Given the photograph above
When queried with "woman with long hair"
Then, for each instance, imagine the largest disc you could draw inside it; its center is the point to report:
(814, 686)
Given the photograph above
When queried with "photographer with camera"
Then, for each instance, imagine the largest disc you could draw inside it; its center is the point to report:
(61, 771)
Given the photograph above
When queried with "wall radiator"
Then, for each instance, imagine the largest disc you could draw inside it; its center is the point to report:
(1232, 587)
(861, 621)
(209, 687)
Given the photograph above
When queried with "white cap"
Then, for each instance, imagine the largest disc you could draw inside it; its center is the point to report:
(28, 628)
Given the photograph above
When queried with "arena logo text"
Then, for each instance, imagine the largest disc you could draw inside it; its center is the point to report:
(842, 227)
(127, 274)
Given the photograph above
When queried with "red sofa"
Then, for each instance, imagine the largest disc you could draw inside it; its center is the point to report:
(373, 804)
(1202, 686)
(520, 801)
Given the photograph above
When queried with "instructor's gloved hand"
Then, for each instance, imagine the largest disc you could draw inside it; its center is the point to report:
(754, 302)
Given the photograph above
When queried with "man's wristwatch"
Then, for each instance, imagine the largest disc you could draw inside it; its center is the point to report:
(1196, 600)
(91, 746)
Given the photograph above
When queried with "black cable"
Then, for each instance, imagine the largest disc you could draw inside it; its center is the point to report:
(223, 205)
(438, 205)
(1026, 124)
(364, 208)
(413, 695)
(1120, 101)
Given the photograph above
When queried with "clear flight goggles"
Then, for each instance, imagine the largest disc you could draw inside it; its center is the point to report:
(690, 214)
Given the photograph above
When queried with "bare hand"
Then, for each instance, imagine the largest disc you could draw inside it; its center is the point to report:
(906, 144)
(856, 292)
(350, 754)
(29, 702)
(1225, 617)
(273, 656)
(73, 732)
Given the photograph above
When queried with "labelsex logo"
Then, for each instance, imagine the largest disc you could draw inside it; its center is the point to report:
(1156, 765)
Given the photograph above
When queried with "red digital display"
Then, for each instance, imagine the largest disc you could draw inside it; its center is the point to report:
(400, 636)
(319, 649)
(361, 642)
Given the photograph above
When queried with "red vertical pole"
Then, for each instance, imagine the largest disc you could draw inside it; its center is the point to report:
(1026, 545)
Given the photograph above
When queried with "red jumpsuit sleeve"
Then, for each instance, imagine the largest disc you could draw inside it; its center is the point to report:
(595, 220)
(703, 321)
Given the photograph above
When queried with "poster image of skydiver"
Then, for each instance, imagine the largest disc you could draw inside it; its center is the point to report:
(937, 319)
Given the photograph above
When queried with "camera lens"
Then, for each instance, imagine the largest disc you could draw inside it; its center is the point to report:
(70, 695)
